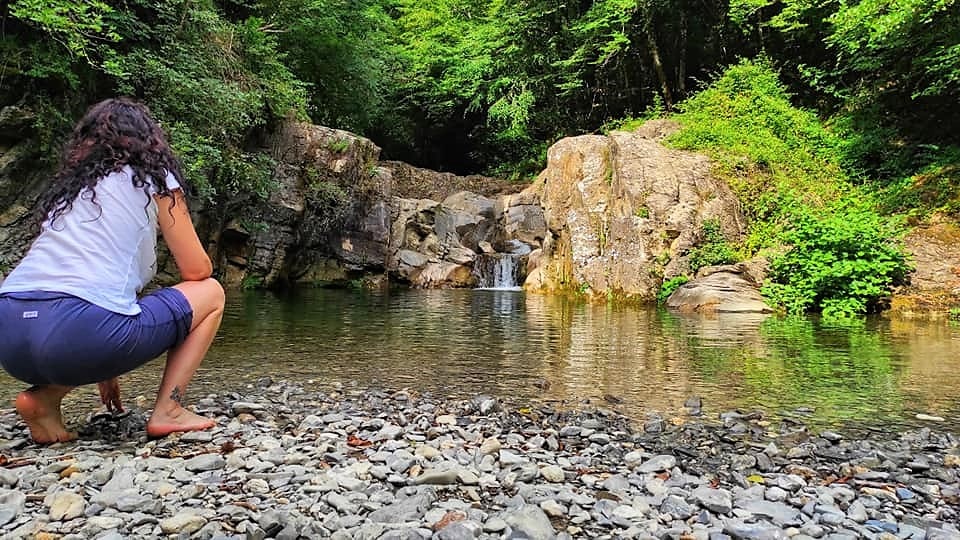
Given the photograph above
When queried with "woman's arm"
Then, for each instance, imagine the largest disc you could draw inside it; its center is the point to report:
(181, 237)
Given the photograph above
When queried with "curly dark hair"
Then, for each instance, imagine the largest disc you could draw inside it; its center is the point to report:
(113, 134)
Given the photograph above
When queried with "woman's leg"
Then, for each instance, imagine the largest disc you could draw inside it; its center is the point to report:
(39, 406)
(206, 299)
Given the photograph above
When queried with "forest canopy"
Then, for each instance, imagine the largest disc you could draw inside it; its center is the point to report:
(816, 95)
(473, 86)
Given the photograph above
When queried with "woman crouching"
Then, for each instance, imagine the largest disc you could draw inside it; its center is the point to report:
(70, 313)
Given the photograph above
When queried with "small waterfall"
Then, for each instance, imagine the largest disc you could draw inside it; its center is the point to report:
(499, 271)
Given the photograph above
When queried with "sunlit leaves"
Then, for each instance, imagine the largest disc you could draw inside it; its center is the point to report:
(842, 262)
(73, 24)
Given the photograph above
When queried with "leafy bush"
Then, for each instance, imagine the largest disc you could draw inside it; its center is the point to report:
(213, 76)
(844, 263)
(931, 189)
(714, 248)
(669, 286)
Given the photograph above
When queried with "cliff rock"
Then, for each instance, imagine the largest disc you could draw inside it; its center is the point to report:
(623, 211)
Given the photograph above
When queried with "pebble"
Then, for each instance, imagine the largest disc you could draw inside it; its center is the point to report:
(286, 463)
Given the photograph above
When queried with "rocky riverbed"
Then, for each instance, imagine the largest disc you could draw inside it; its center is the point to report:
(287, 463)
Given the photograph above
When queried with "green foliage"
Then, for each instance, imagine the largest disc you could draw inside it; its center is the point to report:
(631, 123)
(888, 72)
(773, 154)
(871, 37)
(466, 85)
(338, 145)
(844, 262)
(746, 122)
(932, 189)
(494, 81)
(713, 249)
(342, 51)
(212, 77)
(251, 282)
(669, 286)
(833, 253)
(329, 202)
(73, 24)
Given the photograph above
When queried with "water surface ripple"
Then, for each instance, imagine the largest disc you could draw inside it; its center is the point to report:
(875, 374)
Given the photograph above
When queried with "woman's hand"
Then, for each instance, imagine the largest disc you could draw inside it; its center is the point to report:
(110, 394)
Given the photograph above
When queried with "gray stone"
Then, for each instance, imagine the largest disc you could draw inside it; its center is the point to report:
(241, 407)
(196, 437)
(719, 501)
(12, 503)
(740, 530)
(461, 530)
(411, 508)
(8, 477)
(552, 473)
(205, 462)
(779, 513)
(449, 476)
(528, 521)
(660, 463)
(677, 507)
(857, 512)
(182, 523)
(508, 458)
(66, 505)
(495, 524)
(720, 289)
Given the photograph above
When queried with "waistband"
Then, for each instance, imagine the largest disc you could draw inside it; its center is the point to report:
(36, 295)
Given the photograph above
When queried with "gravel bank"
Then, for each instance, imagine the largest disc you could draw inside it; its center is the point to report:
(287, 463)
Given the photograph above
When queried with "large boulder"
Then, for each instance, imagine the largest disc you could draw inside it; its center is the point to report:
(720, 289)
(324, 219)
(623, 211)
(439, 244)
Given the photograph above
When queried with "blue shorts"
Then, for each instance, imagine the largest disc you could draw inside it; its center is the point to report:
(56, 338)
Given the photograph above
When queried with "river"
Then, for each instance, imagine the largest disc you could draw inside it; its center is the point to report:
(875, 374)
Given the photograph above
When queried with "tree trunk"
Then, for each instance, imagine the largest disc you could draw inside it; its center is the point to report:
(654, 50)
(682, 56)
(658, 68)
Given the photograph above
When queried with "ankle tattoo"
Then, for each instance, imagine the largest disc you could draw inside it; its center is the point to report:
(177, 395)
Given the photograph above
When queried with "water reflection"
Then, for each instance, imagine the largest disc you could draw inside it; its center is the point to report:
(505, 342)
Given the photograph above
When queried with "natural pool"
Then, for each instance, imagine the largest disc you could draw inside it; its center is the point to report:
(877, 374)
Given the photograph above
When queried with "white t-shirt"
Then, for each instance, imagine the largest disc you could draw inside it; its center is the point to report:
(104, 252)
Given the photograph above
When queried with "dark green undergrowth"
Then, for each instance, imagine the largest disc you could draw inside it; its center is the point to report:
(930, 190)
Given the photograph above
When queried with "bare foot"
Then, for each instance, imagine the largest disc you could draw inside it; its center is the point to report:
(162, 424)
(41, 411)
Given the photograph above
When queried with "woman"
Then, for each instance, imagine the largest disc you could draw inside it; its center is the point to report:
(70, 313)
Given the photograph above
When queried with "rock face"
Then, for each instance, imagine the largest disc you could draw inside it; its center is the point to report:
(610, 215)
(340, 215)
(623, 211)
(934, 285)
(21, 183)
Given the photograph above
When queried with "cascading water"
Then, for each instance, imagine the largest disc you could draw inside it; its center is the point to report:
(498, 271)
(502, 270)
